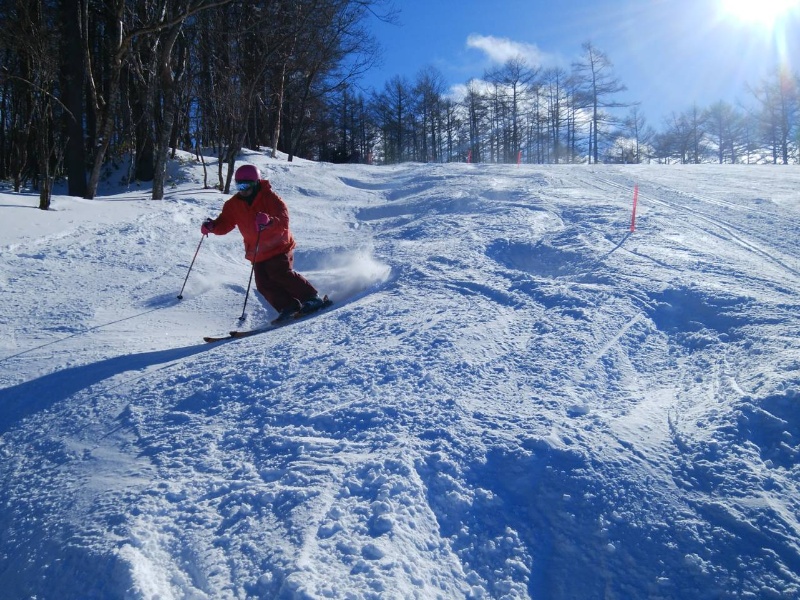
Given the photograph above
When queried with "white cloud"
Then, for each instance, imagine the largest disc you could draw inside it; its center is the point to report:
(500, 50)
(459, 91)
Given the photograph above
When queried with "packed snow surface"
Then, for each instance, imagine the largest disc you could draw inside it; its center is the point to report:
(513, 396)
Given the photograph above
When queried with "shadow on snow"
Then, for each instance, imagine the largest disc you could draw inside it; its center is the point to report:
(28, 398)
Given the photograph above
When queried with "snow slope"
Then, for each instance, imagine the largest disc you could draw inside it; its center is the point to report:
(513, 397)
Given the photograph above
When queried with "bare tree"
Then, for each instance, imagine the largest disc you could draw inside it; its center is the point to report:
(513, 80)
(683, 138)
(724, 129)
(477, 117)
(430, 88)
(596, 70)
(392, 107)
(557, 110)
(126, 21)
(71, 82)
(35, 147)
(635, 126)
(778, 100)
(332, 51)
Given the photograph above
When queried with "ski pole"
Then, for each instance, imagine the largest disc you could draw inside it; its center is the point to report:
(249, 281)
(180, 294)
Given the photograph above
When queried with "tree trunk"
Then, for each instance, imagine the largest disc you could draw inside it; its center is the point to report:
(169, 80)
(106, 110)
(162, 144)
(45, 192)
(73, 72)
(279, 111)
(101, 149)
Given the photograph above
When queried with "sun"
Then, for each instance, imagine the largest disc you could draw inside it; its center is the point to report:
(766, 13)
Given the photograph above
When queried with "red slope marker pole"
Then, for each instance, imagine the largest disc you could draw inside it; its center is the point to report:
(635, 200)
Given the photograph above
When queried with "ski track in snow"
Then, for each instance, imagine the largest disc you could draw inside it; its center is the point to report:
(513, 395)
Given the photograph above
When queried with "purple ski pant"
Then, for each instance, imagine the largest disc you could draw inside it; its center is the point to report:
(280, 284)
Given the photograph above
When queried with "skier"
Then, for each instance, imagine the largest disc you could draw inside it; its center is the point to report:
(263, 220)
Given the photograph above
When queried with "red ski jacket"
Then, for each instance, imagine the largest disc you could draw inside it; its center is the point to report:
(238, 212)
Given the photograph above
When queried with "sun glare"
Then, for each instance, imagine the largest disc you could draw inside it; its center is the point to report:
(758, 12)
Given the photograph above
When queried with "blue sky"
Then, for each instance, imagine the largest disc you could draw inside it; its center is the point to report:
(669, 53)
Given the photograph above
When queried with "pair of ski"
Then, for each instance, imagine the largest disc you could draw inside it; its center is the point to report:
(326, 302)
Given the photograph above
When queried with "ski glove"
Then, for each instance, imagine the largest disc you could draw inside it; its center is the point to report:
(262, 221)
(207, 227)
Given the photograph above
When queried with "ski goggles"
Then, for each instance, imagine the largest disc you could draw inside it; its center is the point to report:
(243, 186)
